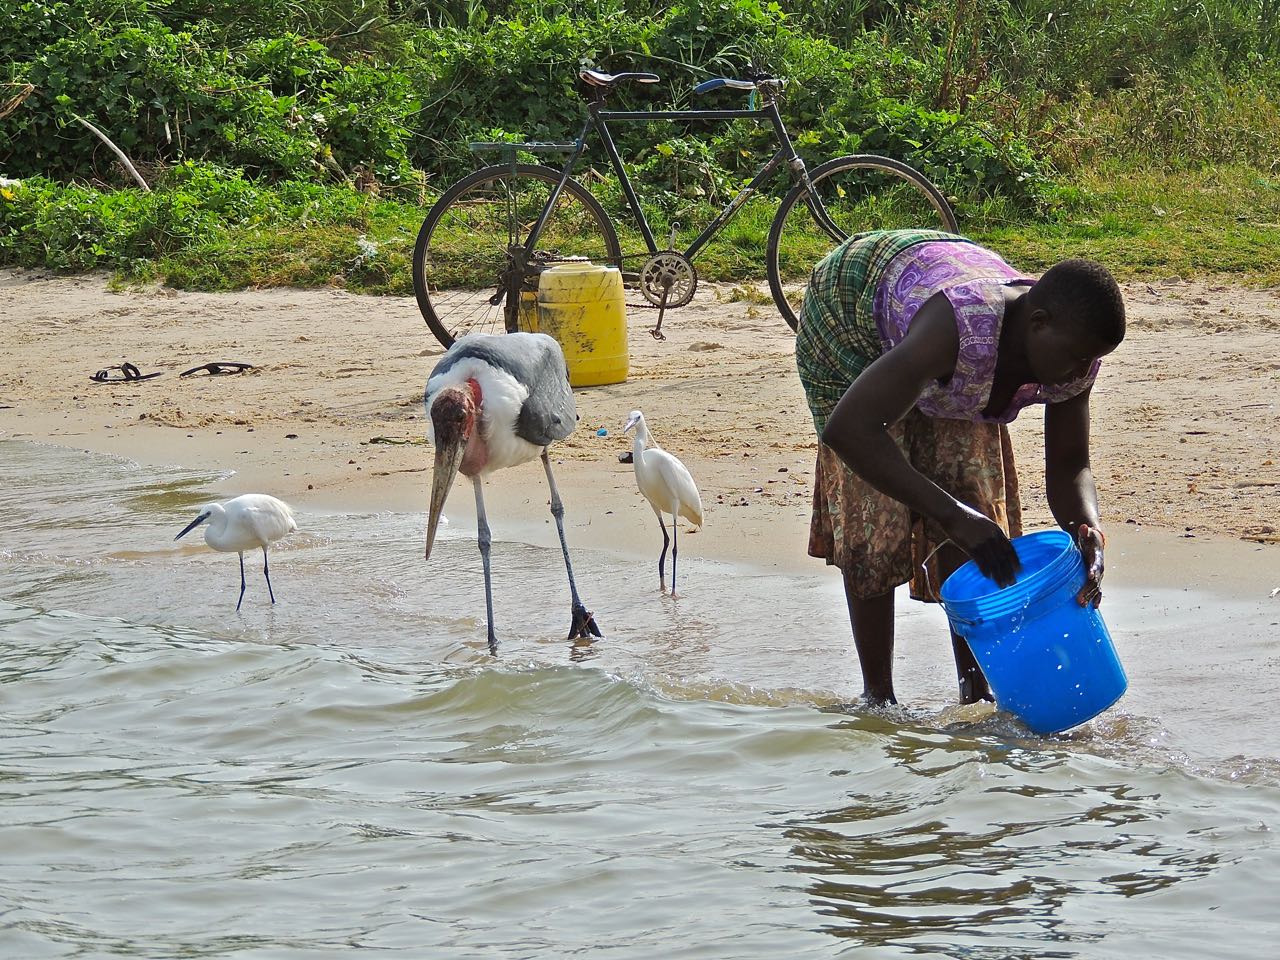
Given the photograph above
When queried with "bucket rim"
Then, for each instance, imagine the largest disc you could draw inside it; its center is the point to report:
(1040, 581)
(579, 266)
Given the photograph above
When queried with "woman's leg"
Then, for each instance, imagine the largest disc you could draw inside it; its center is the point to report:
(872, 622)
(973, 684)
(867, 535)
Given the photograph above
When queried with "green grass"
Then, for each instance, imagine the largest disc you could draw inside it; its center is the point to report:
(315, 257)
(1212, 224)
(1221, 222)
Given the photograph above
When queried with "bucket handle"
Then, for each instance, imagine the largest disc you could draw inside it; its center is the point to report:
(924, 568)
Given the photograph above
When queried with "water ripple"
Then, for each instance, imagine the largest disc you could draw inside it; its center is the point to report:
(349, 770)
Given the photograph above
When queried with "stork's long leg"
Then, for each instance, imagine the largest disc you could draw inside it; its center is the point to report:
(267, 573)
(583, 623)
(483, 539)
(241, 600)
(662, 557)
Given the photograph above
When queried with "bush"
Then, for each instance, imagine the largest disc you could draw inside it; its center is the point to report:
(43, 223)
(243, 115)
(283, 106)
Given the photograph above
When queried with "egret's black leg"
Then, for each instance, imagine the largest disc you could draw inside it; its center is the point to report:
(241, 600)
(267, 573)
(662, 557)
(583, 623)
(484, 540)
(675, 549)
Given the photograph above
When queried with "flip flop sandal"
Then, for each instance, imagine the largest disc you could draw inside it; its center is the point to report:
(218, 368)
(128, 374)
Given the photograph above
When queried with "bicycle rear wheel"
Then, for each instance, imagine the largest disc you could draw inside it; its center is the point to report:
(472, 239)
(850, 195)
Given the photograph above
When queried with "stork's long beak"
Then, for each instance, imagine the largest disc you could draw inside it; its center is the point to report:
(192, 525)
(631, 422)
(448, 459)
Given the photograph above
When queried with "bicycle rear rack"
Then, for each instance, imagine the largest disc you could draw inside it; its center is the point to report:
(507, 152)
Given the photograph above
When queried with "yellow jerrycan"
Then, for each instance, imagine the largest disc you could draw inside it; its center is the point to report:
(581, 305)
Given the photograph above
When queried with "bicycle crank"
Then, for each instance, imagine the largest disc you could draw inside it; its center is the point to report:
(656, 332)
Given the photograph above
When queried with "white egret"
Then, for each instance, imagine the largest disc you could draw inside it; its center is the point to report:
(669, 488)
(252, 520)
(495, 401)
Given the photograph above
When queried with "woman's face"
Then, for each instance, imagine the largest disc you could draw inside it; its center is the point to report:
(1059, 353)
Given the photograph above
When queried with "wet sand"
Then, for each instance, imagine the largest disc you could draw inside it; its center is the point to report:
(1185, 428)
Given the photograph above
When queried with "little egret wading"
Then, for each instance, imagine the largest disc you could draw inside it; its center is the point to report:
(495, 401)
(253, 520)
(667, 485)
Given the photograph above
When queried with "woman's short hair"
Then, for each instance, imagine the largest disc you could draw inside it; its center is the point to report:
(1085, 293)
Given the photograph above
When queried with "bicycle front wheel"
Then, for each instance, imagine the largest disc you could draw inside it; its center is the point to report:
(852, 194)
(474, 237)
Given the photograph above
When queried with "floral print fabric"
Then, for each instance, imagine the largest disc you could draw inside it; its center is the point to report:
(878, 541)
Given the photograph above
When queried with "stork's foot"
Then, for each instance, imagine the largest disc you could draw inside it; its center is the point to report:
(583, 624)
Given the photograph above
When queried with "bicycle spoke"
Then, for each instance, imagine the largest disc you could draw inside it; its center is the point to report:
(467, 245)
(850, 195)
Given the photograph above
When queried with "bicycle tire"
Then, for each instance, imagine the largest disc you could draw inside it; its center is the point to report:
(860, 192)
(464, 245)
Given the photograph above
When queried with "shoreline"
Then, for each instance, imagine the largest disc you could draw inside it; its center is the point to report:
(1186, 420)
(1140, 557)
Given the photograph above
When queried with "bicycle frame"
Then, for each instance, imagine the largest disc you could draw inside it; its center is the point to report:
(598, 119)
(514, 207)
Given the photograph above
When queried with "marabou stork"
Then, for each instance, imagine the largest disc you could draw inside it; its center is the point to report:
(495, 401)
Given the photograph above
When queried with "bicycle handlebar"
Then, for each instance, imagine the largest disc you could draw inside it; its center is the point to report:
(765, 84)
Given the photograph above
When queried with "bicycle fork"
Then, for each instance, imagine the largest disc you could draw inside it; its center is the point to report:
(811, 200)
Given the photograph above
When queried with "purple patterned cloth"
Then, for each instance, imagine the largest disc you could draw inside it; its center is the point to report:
(973, 279)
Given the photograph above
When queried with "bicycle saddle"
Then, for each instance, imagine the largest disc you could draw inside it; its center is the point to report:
(598, 78)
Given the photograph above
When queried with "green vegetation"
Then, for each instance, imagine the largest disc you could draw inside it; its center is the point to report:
(292, 143)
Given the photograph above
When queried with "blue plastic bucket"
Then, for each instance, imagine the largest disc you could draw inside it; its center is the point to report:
(1048, 660)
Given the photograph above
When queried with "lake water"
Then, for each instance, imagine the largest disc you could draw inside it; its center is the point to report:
(347, 773)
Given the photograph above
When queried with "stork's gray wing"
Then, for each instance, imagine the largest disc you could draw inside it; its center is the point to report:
(549, 414)
(535, 360)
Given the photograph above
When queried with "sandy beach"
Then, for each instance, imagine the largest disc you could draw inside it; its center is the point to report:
(1186, 427)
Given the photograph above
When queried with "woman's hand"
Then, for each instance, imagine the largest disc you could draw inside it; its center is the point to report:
(1091, 542)
(983, 540)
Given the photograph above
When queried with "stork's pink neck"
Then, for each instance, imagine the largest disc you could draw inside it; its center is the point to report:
(476, 454)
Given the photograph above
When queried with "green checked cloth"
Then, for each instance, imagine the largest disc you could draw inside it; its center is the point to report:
(838, 337)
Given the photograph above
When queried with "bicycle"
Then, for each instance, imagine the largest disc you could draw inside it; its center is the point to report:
(484, 243)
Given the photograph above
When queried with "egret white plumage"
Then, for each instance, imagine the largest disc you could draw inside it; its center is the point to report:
(495, 401)
(668, 486)
(246, 522)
